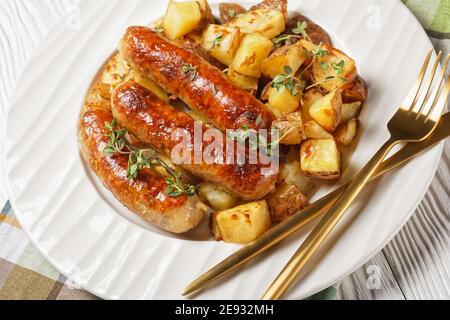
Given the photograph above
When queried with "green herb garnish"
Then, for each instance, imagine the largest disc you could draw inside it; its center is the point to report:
(140, 159)
(189, 69)
(301, 29)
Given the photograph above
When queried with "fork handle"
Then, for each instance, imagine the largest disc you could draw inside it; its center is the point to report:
(289, 274)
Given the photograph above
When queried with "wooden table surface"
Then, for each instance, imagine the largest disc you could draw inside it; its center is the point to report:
(415, 265)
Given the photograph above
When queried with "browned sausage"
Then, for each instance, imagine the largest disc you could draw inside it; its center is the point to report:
(146, 194)
(201, 86)
(158, 124)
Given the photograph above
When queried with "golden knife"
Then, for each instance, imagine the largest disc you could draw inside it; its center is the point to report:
(302, 218)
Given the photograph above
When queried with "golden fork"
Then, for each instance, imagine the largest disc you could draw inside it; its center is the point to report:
(304, 217)
(415, 120)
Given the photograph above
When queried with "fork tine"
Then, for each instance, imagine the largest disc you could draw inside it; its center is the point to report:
(412, 96)
(422, 101)
(433, 102)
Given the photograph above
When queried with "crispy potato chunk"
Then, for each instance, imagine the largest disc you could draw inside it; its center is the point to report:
(228, 11)
(249, 84)
(285, 202)
(291, 128)
(332, 68)
(267, 22)
(292, 56)
(309, 98)
(355, 92)
(321, 159)
(249, 57)
(214, 227)
(245, 223)
(181, 18)
(282, 102)
(291, 174)
(207, 15)
(345, 134)
(314, 131)
(327, 110)
(350, 111)
(216, 197)
(222, 42)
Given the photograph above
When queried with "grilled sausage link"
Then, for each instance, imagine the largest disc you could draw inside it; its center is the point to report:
(189, 77)
(156, 123)
(146, 194)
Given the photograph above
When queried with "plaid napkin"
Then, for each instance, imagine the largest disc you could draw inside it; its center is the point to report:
(24, 274)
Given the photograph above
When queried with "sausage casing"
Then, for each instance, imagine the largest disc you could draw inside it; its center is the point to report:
(189, 77)
(161, 126)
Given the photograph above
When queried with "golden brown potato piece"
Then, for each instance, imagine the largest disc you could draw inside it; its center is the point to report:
(290, 128)
(345, 134)
(216, 197)
(268, 18)
(291, 174)
(321, 159)
(254, 49)
(292, 56)
(350, 111)
(245, 223)
(286, 201)
(214, 227)
(249, 84)
(327, 110)
(181, 18)
(308, 99)
(355, 92)
(332, 69)
(228, 11)
(282, 101)
(222, 42)
(313, 131)
(316, 33)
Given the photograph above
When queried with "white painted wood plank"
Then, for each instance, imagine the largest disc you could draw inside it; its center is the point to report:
(374, 281)
(420, 254)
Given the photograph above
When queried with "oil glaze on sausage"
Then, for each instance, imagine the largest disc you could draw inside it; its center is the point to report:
(189, 77)
(155, 122)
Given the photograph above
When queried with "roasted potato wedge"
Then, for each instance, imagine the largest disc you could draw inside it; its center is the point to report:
(228, 11)
(291, 174)
(321, 159)
(222, 42)
(216, 197)
(245, 223)
(279, 5)
(281, 101)
(290, 128)
(345, 134)
(181, 18)
(327, 110)
(285, 202)
(267, 18)
(292, 56)
(308, 99)
(254, 49)
(355, 92)
(249, 84)
(316, 34)
(313, 131)
(331, 69)
(350, 111)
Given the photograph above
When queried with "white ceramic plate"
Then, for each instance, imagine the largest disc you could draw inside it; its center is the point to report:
(86, 234)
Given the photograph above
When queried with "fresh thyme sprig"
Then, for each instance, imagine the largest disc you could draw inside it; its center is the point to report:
(231, 13)
(287, 81)
(189, 69)
(140, 159)
(301, 30)
(287, 39)
(217, 39)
